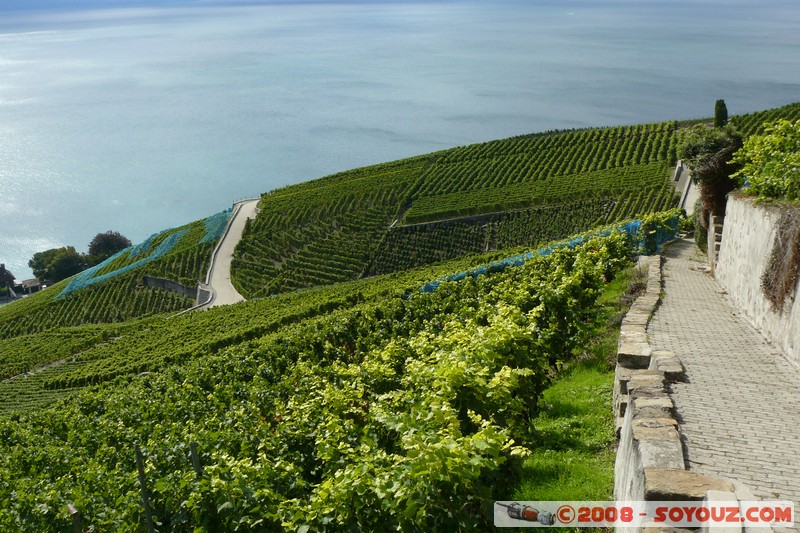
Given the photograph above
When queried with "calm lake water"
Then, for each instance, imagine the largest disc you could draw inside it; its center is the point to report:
(141, 119)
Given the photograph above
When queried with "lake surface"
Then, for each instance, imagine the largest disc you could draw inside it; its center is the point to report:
(145, 118)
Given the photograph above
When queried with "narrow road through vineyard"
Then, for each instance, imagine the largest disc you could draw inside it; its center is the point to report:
(219, 277)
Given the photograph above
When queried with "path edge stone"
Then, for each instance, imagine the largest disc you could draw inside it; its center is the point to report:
(650, 463)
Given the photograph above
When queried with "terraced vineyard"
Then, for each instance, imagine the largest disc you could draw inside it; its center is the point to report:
(356, 404)
(113, 291)
(609, 184)
(342, 231)
(51, 364)
(538, 157)
(421, 244)
(338, 227)
(752, 123)
(313, 235)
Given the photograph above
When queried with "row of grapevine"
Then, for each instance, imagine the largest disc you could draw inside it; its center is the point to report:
(116, 300)
(334, 423)
(524, 159)
(411, 246)
(603, 183)
(113, 291)
(752, 123)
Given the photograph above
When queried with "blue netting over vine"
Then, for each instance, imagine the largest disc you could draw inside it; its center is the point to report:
(648, 243)
(215, 226)
(146, 245)
(87, 277)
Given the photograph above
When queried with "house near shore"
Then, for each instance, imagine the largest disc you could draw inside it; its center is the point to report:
(6, 278)
(29, 286)
(18, 288)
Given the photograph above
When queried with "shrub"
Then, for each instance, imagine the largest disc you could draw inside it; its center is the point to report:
(770, 163)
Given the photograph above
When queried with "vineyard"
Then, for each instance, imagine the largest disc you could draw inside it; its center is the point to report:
(336, 421)
(753, 123)
(366, 221)
(421, 244)
(404, 321)
(321, 232)
(72, 358)
(337, 228)
(596, 184)
(538, 157)
(69, 357)
(113, 291)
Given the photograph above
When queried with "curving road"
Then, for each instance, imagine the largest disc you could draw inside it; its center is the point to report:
(219, 274)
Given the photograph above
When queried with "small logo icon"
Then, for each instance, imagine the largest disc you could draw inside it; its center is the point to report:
(527, 513)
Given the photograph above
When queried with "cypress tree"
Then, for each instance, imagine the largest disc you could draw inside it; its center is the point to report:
(720, 114)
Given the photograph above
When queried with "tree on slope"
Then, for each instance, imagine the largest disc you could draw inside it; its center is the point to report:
(709, 153)
(57, 263)
(104, 245)
(720, 114)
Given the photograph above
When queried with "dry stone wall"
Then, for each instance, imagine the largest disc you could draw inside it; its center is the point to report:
(650, 463)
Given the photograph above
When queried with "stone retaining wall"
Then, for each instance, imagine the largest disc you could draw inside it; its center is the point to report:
(747, 239)
(650, 460)
(172, 286)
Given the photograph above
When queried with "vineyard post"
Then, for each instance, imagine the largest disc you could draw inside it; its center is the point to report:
(195, 459)
(143, 483)
(213, 517)
(76, 518)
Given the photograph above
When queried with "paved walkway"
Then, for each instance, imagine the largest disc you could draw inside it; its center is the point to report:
(220, 271)
(740, 409)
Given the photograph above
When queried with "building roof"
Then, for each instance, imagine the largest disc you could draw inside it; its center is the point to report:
(28, 283)
(5, 275)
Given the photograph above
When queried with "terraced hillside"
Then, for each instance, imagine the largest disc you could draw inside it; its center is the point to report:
(368, 220)
(380, 219)
(301, 403)
(329, 406)
(113, 291)
(753, 123)
(374, 219)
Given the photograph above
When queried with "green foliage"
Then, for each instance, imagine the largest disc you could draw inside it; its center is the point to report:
(104, 245)
(39, 262)
(720, 114)
(395, 413)
(57, 263)
(657, 228)
(65, 262)
(770, 163)
(348, 225)
(754, 123)
(709, 153)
